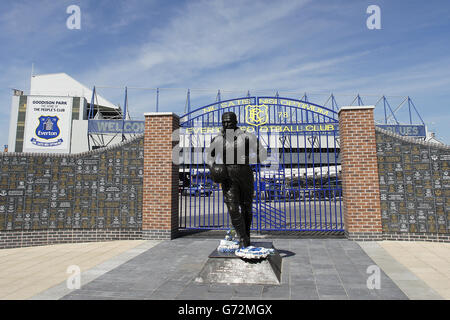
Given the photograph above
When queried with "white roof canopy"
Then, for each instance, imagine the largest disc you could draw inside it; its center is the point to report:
(61, 84)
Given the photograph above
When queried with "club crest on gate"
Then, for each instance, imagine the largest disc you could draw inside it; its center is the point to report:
(48, 127)
(257, 115)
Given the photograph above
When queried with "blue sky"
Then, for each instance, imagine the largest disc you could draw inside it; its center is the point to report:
(294, 47)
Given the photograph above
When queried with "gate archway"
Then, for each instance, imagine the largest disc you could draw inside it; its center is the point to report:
(297, 189)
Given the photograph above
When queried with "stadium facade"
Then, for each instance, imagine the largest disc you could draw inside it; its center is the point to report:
(53, 117)
(61, 115)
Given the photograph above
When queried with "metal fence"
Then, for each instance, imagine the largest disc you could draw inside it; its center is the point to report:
(297, 189)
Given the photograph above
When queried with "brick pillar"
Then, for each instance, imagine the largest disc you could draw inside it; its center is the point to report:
(160, 192)
(360, 182)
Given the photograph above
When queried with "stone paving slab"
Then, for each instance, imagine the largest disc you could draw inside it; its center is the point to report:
(420, 269)
(312, 269)
(25, 272)
(98, 267)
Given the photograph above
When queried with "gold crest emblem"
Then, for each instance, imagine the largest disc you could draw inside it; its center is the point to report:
(257, 115)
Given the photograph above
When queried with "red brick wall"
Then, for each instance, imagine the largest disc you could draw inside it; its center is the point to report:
(160, 190)
(362, 212)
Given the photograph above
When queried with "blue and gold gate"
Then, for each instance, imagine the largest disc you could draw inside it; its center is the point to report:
(298, 188)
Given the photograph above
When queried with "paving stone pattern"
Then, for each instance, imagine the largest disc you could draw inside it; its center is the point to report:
(312, 269)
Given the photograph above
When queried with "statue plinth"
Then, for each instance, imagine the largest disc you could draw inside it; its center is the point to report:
(226, 267)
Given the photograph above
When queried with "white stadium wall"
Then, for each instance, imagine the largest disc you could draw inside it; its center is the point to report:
(13, 123)
(79, 137)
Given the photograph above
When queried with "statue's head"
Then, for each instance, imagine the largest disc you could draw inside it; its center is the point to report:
(229, 120)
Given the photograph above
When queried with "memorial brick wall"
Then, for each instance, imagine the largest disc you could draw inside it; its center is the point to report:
(414, 188)
(90, 196)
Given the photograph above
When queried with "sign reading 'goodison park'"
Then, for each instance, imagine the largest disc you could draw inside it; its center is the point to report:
(48, 124)
(116, 126)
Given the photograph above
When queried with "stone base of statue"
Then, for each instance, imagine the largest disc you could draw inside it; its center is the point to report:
(224, 267)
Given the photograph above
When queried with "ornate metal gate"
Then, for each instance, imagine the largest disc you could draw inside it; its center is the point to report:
(297, 189)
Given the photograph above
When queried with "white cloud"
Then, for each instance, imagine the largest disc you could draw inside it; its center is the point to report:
(204, 35)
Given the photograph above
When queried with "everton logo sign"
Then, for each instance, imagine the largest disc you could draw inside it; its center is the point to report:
(47, 129)
(257, 115)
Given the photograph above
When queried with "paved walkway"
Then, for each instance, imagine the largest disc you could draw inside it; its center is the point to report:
(25, 272)
(311, 269)
(429, 261)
